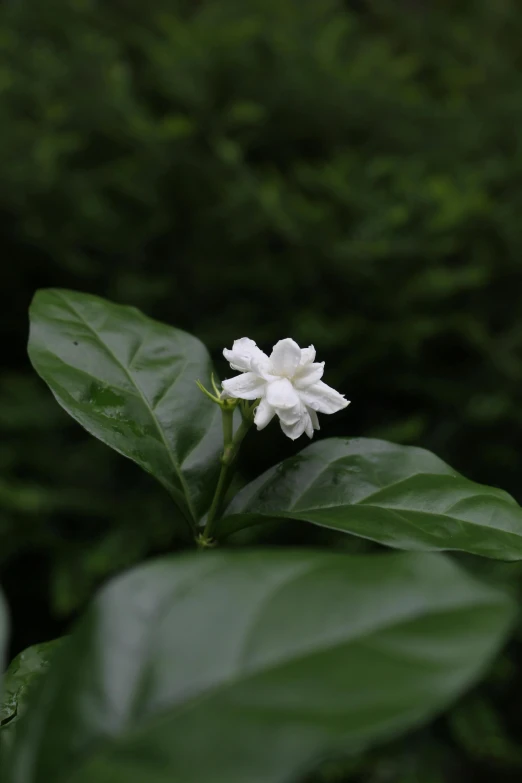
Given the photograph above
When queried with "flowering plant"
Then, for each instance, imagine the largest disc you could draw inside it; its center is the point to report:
(241, 664)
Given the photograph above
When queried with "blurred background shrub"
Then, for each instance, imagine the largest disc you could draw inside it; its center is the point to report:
(347, 173)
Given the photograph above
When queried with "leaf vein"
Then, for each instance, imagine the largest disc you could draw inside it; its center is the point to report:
(143, 397)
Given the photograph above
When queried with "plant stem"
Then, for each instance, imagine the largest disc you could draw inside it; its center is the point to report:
(227, 418)
(228, 458)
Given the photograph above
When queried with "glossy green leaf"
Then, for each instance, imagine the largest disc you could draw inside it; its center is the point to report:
(23, 674)
(400, 496)
(131, 382)
(249, 667)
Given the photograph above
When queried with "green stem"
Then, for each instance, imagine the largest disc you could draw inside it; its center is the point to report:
(227, 418)
(228, 460)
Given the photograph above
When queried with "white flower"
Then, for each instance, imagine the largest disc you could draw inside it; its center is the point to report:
(287, 384)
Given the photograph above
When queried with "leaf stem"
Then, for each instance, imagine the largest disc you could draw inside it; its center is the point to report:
(231, 444)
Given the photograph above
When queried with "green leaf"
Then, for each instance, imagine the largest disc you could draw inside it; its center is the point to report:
(24, 672)
(249, 667)
(131, 382)
(400, 496)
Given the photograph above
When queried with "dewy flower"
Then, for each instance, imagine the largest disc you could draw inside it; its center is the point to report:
(287, 383)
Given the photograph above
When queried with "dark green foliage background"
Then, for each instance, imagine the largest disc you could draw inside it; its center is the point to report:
(345, 173)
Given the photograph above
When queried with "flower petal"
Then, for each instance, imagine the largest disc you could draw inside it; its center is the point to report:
(263, 367)
(321, 397)
(264, 414)
(285, 357)
(308, 375)
(281, 394)
(315, 419)
(294, 431)
(290, 415)
(309, 427)
(307, 355)
(247, 386)
(242, 353)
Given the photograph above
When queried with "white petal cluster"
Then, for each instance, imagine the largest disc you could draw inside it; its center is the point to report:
(287, 383)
